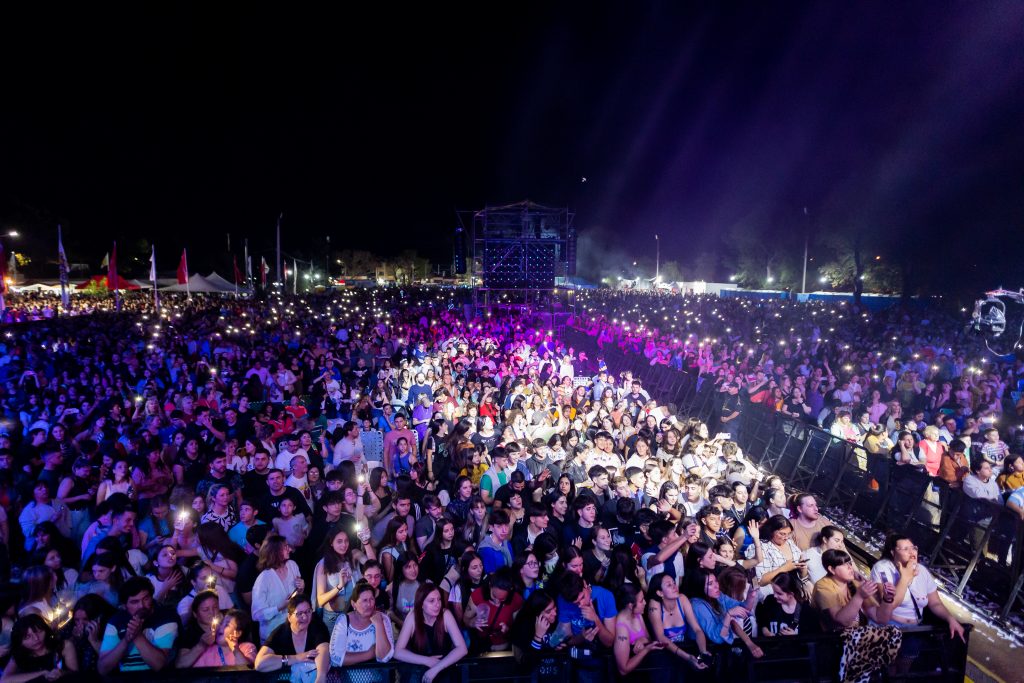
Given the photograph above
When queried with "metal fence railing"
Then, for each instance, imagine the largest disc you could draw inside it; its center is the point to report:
(972, 545)
(811, 658)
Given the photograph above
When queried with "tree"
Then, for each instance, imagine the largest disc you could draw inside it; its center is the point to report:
(356, 263)
(760, 260)
(855, 268)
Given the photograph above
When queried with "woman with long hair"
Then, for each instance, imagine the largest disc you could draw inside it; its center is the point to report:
(336, 575)
(38, 652)
(166, 577)
(403, 588)
(632, 642)
(475, 529)
(432, 638)
(671, 617)
(89, 620)
(392, 545)
(460, 583)
(120, 481)
(721, 625)
(39, 593)
(220, 554)
(442, 553)
(279, 578)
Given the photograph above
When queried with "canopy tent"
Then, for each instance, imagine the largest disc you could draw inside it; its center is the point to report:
(36, 287)
(225, 286)
(196, 284)
(100, 282)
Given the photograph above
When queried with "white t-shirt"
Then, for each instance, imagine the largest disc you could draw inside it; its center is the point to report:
(921, 587)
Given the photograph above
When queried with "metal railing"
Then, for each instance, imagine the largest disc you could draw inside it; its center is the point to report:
(812, 658)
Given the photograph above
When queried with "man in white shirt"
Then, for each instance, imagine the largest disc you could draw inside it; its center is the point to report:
(349, 446)
(289, 450)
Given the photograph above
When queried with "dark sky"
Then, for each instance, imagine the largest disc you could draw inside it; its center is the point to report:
(179, 124)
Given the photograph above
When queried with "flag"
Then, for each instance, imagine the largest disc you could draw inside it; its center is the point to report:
(183, 268)
(106, 260)
(112, 270)
(152, 266)
(62, 264)
(238, 274)
(263, 271)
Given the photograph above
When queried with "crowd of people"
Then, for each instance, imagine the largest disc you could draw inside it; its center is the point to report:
(360, 477)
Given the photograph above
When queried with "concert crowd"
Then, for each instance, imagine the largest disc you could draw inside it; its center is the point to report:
(307, 483)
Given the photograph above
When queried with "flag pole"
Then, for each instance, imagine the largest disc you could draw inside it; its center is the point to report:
(188, 289)
(279, 271)
(152, 277)
(63, 265)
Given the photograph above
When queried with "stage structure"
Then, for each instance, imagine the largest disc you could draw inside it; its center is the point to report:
(518, 250)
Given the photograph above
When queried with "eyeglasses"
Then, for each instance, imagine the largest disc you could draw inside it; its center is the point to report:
(533, 563)
(303, 614)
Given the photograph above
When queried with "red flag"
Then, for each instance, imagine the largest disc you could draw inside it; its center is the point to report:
(238, 274)
(263, 271)
(112, 270)
(183, 269)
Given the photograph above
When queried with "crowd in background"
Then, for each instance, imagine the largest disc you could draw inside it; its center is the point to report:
(344, 478)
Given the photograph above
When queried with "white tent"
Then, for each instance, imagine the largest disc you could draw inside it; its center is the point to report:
(196, 284)
(225, 286)
(37, 287)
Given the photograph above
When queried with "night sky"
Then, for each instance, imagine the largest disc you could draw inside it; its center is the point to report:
(180, 125)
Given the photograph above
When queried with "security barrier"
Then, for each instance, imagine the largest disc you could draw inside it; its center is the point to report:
(787, 658)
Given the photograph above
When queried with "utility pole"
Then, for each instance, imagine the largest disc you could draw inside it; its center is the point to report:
(807, 239)
(657, 258)
(280, 273)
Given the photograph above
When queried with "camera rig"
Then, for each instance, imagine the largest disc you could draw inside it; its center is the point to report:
(990, 317)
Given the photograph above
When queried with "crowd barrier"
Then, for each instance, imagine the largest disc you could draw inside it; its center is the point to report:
(973, 547)
(814, 659)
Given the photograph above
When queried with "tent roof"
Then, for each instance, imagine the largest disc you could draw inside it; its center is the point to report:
(225, 285)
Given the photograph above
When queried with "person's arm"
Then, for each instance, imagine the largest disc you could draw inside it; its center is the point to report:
(188, 656)
(695, 628)
(155, 657)
(940, 610)
(737, 628)
(848, 613)
(268, 660)
(11, 674)
(626, 662)
(109, 659)
(384, 638)
(668, 551)
(323, 662)
(69, 656)
(458, 651)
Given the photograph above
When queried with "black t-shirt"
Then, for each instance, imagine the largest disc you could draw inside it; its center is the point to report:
(280, 639)
(270, 503)
(771, 616)
(247, 573)
(505, 491)
(254, 485)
